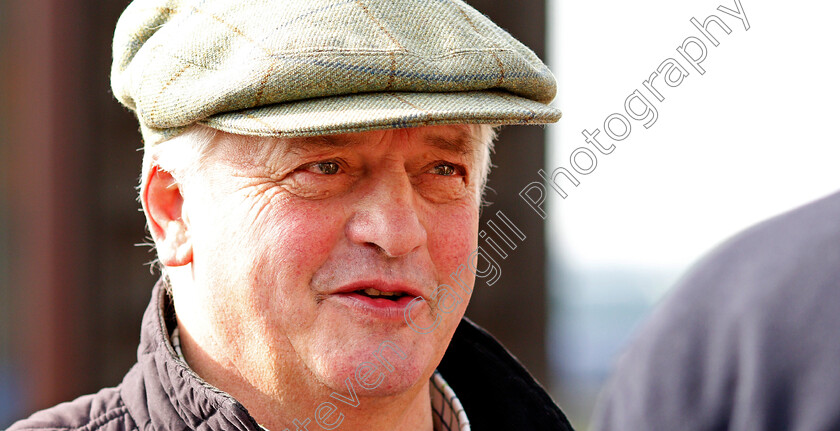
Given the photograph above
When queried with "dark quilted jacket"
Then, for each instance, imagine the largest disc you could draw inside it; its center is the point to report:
(160, 393)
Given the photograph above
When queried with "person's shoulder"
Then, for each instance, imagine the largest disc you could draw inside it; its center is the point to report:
(798, 249)
(102, 411)
(762, 303)
(789, 259)
(804, 231)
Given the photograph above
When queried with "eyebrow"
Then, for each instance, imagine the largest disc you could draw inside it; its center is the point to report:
(462, 143)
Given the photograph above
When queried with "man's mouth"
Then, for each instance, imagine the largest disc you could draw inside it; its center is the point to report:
(374, 293)
(385, 301)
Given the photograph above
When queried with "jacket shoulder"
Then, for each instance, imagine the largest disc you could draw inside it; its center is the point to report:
(102, 411)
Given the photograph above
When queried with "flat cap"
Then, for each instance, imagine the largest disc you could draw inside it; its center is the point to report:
(312, 67)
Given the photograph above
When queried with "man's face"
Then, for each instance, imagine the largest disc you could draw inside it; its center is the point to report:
(288, 233)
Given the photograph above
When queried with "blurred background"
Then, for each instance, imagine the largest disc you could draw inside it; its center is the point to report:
(750, 138)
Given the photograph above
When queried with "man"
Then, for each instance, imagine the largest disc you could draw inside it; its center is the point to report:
(312, 177)
(747, 341)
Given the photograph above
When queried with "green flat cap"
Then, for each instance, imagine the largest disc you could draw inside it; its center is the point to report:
(313, 67)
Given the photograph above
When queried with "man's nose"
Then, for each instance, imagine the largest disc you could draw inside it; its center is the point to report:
(386, 217)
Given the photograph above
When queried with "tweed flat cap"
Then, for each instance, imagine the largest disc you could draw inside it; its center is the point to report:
(311, 67)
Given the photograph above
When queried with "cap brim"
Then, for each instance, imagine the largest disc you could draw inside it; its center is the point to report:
(375, 111)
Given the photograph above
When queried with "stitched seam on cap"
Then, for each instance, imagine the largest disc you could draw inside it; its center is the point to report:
(235, 29)
(391, 53)
(495, 57)
(264, 83)
(291, 54)
(379, 24)
(401, 73)
(373, 51)
(454, 77)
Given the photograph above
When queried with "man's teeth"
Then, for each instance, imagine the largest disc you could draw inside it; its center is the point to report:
(373, 292)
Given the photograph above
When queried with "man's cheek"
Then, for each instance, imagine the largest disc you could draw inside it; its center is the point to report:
(452, 239)
(302, 233)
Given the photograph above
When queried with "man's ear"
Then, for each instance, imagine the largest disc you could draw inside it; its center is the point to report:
(163, 204)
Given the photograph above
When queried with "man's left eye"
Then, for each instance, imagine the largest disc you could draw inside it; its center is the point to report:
(444, 169)
(325, 168)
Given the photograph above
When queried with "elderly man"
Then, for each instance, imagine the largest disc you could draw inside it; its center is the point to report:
(312, 178)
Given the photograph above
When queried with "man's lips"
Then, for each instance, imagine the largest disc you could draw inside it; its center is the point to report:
(403, 289)
(389, 308)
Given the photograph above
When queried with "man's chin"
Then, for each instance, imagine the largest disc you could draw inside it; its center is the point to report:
(393, 383)
(383, 368)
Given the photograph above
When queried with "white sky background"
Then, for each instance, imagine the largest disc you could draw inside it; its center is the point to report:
(755, 136)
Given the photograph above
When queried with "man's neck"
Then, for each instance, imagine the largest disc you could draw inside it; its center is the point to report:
(371, 414)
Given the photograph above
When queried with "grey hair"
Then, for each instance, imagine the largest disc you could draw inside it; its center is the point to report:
(485, 134)
(182, 155)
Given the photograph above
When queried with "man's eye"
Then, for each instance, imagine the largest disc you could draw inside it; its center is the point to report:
(325, 168)
(444, 169)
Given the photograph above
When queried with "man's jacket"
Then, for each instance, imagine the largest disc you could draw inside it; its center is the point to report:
(161, 393)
